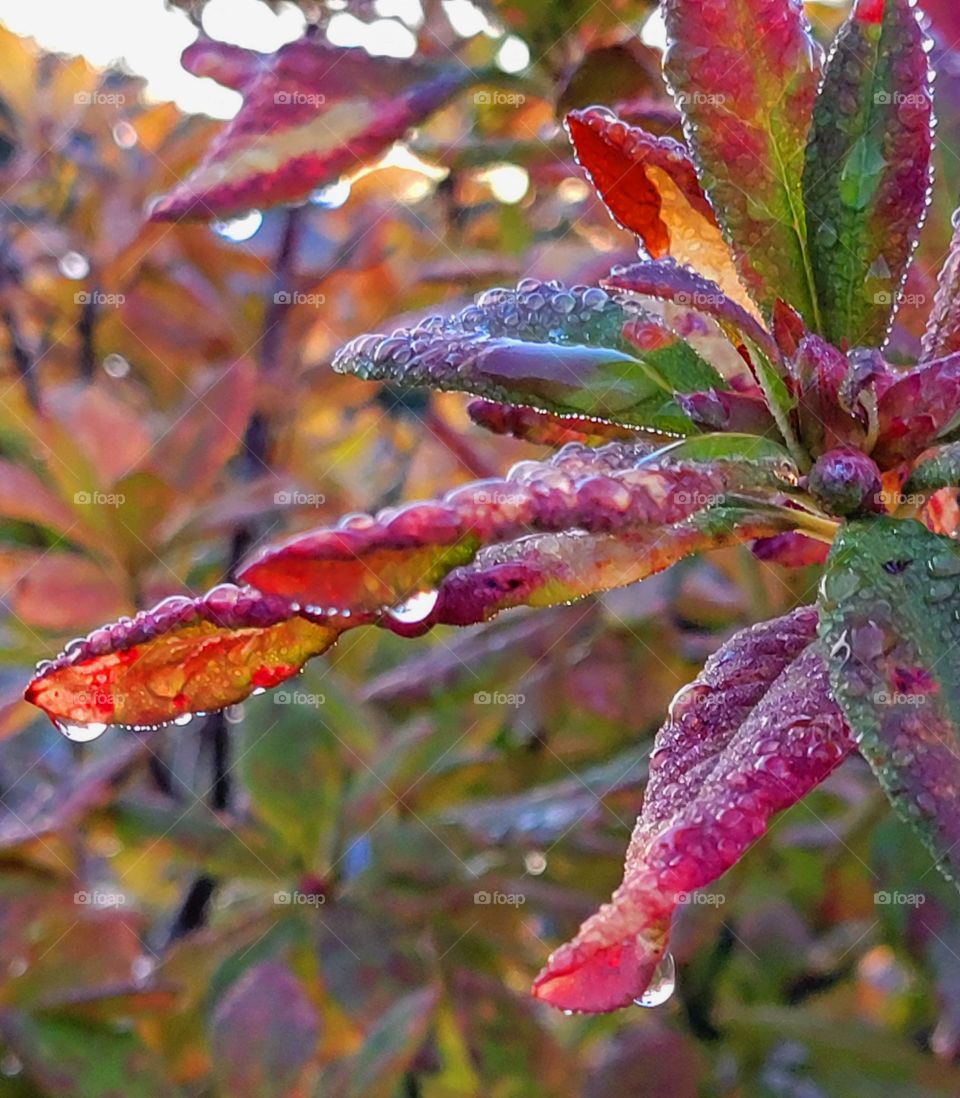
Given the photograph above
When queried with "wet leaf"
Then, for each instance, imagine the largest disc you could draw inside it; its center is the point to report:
(311, 113)
(567, 351)
(745, 77)
(182, 656)
(942, 335)
(916, 408)
(868, 168)
(369, 564)
(889, 610)
(753, 733)
(649, 184)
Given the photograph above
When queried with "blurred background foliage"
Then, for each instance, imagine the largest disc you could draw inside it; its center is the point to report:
(306, 895)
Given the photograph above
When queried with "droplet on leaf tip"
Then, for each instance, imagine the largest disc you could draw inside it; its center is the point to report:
(662, 983)
(80, 733)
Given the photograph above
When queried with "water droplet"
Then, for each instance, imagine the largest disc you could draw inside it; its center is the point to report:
(184, 718)
(81, 733)
(415, 608)
(142, 969)
(73, 265)
(116, 366)
(333, 196)
(662, 983)
(239, 228)
(124, 135)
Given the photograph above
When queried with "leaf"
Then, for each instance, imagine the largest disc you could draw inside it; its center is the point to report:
(667, 280)
(745, 76)
(311, 113)
(942, 334)
(867, 168)
(753, 733)
(375, 563)
(263, 1033)
(890, 604)
(184, 655)
(824, 412)
(941, 469)
(543, 428)
(916, 409)
(728, 410)
(567, 351)
(649, 184)
(549, 569)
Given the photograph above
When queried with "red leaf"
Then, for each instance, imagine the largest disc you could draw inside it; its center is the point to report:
(311, 113)
(183, 656)
(649, 184)
(373, 563)
(915, 408)
(754, 732)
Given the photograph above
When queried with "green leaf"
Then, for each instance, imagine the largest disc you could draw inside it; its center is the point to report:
(574, 351)
(867, 168)
(890, 620)
(745, 75)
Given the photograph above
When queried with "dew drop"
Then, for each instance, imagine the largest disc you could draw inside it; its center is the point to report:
(662, 983)
(415, 608)
(81, 733)
(124, 135)
(241, 228)
(184, 718)
(333, 196)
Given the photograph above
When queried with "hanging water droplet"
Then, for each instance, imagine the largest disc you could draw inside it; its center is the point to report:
(662, 983)
(239, 229)
(415, 608)
(333, 196)
(183, 719)
(81, 733)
